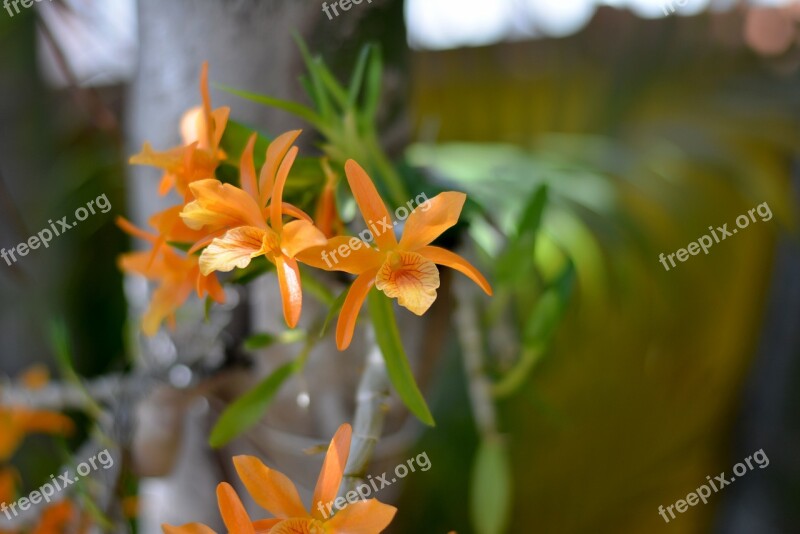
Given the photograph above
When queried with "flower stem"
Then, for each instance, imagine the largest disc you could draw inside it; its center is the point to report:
(371, 407)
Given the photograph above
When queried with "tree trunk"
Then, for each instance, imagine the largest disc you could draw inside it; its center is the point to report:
(248, 45)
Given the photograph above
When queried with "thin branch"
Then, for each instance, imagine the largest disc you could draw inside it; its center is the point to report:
(61, 396)
(372, 404)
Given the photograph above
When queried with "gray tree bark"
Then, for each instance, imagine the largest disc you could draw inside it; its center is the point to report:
(248, 45)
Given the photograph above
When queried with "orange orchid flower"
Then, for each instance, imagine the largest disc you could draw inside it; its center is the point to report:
(327, 215)
(178, 275)
(273, 491)
(7, 485)
(405, 270)
(56, 518)
(241, 226)
(198, 158)
(17, 422)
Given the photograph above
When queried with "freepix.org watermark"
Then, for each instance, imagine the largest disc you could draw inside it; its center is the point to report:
(44, 237)
(669, 6)
(344, 5)
(376, 229)
(720, 234)
(364, 491)
(48, 490)
(8, 4)
(702, 493)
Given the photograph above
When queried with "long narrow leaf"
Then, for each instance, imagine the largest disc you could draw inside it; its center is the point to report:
(298, 110)
(532, 214)
(330, 82)
(320, 96)
(336, 307)
(249, 408)
(373, 86)
(388, 338)
(358, 76)
(538, 332)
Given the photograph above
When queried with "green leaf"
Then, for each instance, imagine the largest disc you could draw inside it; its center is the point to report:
(542, 323)
(298, 110)
(60, 342)
(538, 332)
(209, 303)
(183, 247)
(319, 94)
(258, 341)
(235, 138)
(516, 262)
(358, 76)
(491, 488)
(531, 218)
(265, 339)
(388, 338)
(330, 82)
(246, 411)
(258, 267)
(334, 311)
(373, 86)
(316, 288)
(59, 339)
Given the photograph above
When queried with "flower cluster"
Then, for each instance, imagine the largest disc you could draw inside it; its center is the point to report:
(274, 492)
(176, 273)
(234, 223)
(222, 225)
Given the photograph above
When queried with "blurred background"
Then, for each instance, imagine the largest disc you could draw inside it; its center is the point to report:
(648, 121)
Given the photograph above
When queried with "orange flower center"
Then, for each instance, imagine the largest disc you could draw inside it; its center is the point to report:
(299, 526)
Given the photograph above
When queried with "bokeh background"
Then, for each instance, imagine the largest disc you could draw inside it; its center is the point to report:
(648, 124)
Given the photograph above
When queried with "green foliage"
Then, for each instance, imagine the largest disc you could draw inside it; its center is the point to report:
(335, 308)
(388, 338)
(258, 267)
(345, 116)
(491, 495)
(246, 411)
(265, 339)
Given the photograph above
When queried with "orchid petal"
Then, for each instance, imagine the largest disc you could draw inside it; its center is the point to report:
(264, 526)
(411, 279)
(352, 305)
(370, 203)
(291, 290)
(276, 207)
(360, 257)
(363, 517)
(330, 477)
(165, 302)
(300, 235)
(233, 513)
(295, 212)
(247, 168)
(270, 489)
(219, 205)
(191, 528)
(444, 257)
(431, 219)
(234, 250)
(276, 152)
(299, 526)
